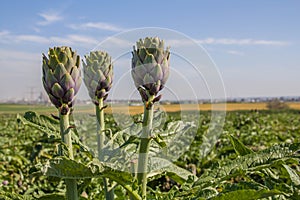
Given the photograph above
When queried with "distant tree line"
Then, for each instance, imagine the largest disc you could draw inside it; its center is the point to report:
(276, 104)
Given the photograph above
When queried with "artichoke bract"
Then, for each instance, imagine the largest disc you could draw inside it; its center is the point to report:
(98, 74)
(150, 66)
(61, 77)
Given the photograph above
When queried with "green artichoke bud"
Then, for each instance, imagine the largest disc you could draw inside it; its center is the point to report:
(150, 66)
(61, 77)
(98, 74)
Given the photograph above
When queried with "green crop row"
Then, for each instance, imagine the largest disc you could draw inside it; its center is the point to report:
(24, 149)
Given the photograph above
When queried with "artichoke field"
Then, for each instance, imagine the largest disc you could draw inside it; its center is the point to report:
(255, 157)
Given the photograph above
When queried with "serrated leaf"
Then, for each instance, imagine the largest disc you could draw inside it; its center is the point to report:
(246, 195)
(159, 140)
(293, 175)
(132, 130)
(175, 139)
(13, 196)
(132, 139)
(159, 119)
(249, 163)
(52, 197)
(50, 126)
(162, 166)
(239, 147)
(41, 122)
(63, 167)
(125, 179)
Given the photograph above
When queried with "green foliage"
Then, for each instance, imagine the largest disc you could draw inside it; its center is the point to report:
(252, 172)
(52, 197)
(50, 127)
(239, 147)
(43, 123)
(161, 167)
(247, 194)
(294, 177)
(63, 167)
(272, 157)
(12, 196)
(255, 157)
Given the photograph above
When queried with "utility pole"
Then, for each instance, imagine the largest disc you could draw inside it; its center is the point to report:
(31, 92)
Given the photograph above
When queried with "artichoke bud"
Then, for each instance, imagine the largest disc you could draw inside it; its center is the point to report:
(105, 97)
(154, 88)
(100, 93)
(143, 94)
(98, 74)
(156, 99)
(61, 77)
(64, 109)
(150, 66)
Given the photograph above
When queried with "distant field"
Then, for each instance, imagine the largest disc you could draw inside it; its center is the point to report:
(206, 107)
(14, 108)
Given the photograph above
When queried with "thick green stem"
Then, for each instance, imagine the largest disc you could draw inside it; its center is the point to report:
(100, 128)
(66, 138)
(109, 193)
(144, 146)
(133, 173)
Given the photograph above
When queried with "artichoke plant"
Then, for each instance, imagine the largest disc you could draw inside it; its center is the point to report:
(61, 77)
(98, 74)
(150, 71)
(150, 67)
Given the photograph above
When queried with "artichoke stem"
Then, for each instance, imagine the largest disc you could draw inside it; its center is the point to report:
(71, 184)
(100, 128)
(109, 193)
(144, 146)
(72, 193)
(133, 165)
(66, 134)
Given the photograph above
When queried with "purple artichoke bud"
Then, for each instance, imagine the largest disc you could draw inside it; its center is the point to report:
(143, 94)
(156, 99)
(98, 74)
(150, 65)
(61, 77)
(5, 182)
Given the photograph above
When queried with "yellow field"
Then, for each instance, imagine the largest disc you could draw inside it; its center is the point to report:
(5, 108)
(294, 105)
(204, 107)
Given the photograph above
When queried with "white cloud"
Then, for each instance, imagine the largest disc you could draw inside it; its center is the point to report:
(231, 41)
(31, 38)
(4, 36)
(115, 46)
(36, 29)
(118, 42)
(179, 42)
(233, 52)
(4, 33)
(80, 40)
(49, 18)
(96, 25)
(89, 42)
(224, 41)
(13, 55)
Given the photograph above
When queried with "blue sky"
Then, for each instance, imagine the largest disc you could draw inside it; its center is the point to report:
(254, 44)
